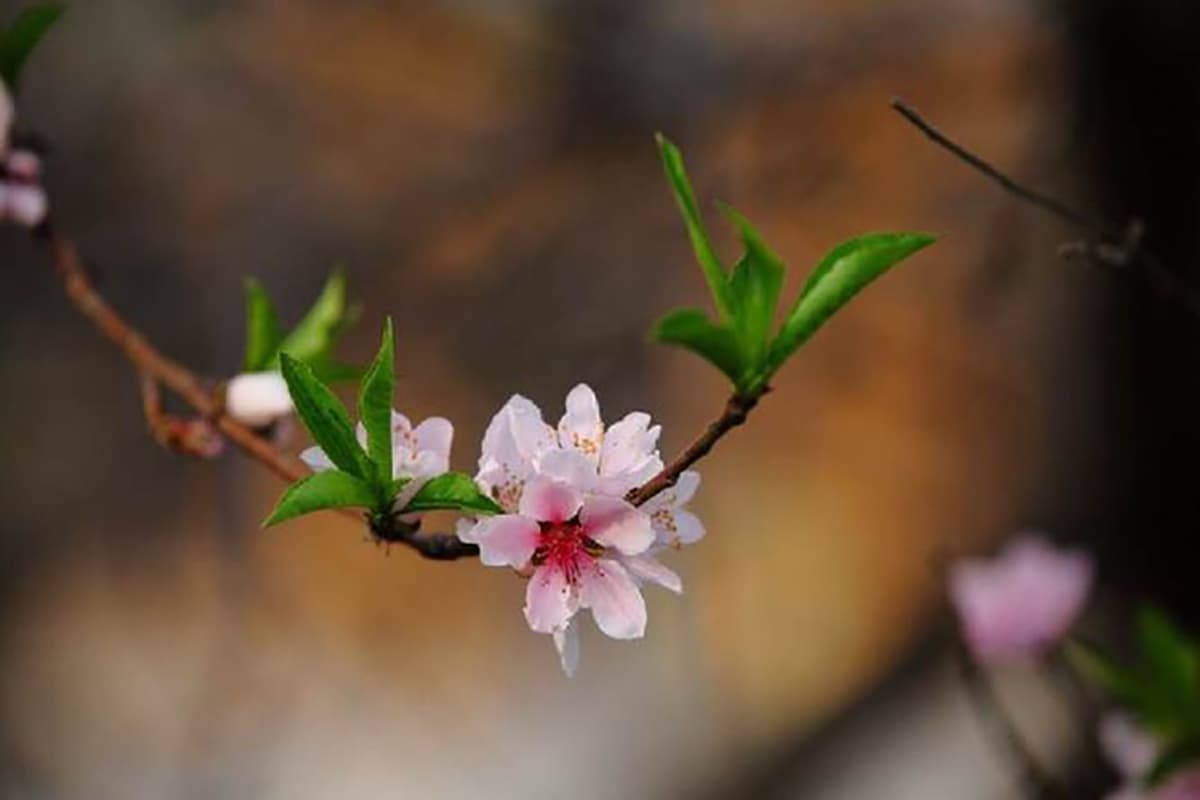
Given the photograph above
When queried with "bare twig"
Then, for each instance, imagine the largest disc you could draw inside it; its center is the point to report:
(1036, 783)
(1109, 245)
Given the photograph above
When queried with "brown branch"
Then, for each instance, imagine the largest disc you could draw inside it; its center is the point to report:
(1036, 783)
(1113, 246)
(156, 369)
(737, 408)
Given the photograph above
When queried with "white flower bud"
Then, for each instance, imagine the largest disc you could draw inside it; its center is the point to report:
(24, 205)
(257, 398)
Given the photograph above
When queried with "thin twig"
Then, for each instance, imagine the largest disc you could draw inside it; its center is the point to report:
(155, 369)
(1036, 783)
(737, 408)
(1114, 246)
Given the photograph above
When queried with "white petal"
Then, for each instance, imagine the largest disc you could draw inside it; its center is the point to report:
(648, 568)
(360, 433)
(614, 599)
(581, 427)
(685, 488)
(257, 398)
(316, 459)
(435, 435)
(688, 527)
(515, 436)
(567, 643)
(629, 443)
(615, 523)
(548, 500)
(550, 601)
(569, 466)
(504, 541)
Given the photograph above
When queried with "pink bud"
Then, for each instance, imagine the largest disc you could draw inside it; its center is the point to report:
(1021, 602)
(24, 205)
(257, 398)
(24, 165)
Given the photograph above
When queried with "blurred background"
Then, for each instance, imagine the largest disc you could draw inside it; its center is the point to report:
(487, 173)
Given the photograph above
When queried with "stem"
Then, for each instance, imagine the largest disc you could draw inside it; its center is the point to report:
(737, 408)
(1036, 783)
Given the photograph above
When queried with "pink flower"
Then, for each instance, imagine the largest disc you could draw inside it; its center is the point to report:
(1132, 751)
(418, 453)
(519, 444)
(1021, 602)
(23, 204)
(599, 465)
(572, 543)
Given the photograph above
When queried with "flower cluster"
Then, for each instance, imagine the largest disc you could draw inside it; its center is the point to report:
(567, 523)
(22, 198)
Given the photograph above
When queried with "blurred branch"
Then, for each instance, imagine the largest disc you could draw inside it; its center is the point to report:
(1035, 782)
(1106, 246)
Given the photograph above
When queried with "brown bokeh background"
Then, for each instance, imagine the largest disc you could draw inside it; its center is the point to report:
(487, 174)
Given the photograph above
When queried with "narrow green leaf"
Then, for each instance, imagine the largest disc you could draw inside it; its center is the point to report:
(1172, 667)
(1121, 683)
(756, 282)
(329, 489)
(263, 332)
(313, 338)
(453, 491)
(23, 36)
(326, 419)
(376, 397)
(710, 264)
(718, 344)
(330, 370)
(844, 271)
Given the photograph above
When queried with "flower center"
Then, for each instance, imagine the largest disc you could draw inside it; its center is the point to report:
(567, 547)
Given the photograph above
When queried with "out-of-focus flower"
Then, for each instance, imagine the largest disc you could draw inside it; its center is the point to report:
(598, 464)
(257, 398)
(1132, 751)
(418, 453)
(570, 541)
(1022, 601)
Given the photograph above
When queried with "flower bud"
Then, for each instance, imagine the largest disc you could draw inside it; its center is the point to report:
(257, 398)
(24, 205)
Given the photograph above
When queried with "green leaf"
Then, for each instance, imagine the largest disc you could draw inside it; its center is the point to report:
(710, 264)
(23, 36)
(1171, 676)
(454, 491)
(313, 338)
(330, 370)
(326, 419)
(756, 283)
(376, 396)
(1119, 682)
(263, 332)
(717, 344)
(844, 271)
(329, 489)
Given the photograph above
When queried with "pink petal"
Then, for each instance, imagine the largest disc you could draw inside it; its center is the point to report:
(566, 642)
(1022, 601)
(613, 522)
(570, 466)
(1126, 745)
(504, 541)
(257, 398)
(629, 443)
(435, 435)
(648, 568)
(581, 427)
(548, 500)
(614, 599)
(516, 435)
(550, 601)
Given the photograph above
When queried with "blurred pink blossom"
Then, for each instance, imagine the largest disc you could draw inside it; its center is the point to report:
(1021, 602)
(1132, 751)
(257, 398)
